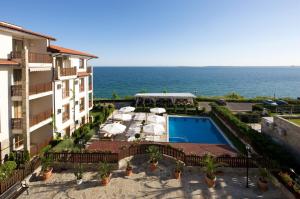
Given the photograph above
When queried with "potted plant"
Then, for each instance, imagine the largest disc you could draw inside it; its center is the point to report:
(155, 155)
(178, 169)
(128, 169)
(78, 174)
(263, 179)
(210, 168)
(104, 173)
(46, 167)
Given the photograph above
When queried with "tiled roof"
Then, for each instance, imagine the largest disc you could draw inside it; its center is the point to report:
(82, 74)
(58, 49)
(20, 29)
(8, 62)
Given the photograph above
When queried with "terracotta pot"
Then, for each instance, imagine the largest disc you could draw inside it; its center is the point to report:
(153, 165)
(177, 174)
(47, 174)
(105, 181)
(262, 184)
(128, 171)
(210, 182)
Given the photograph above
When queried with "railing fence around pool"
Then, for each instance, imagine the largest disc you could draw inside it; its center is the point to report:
(140, 149)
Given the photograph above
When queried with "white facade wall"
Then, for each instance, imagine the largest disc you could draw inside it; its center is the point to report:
(5, 45)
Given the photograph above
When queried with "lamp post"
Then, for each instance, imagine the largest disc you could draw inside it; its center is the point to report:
(248, 149)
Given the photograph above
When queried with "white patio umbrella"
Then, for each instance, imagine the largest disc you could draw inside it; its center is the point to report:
(114, 128)
(154, 129)
(127, 109)
(123, 117)
(158, 110)
(133, 131)
(156, 119)
(140, 116)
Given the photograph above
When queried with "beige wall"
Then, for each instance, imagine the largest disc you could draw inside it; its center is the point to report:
(40, 77)
(40, 104)
(41, 134)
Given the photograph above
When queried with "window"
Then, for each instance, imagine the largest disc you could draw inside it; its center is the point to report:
(59, 62)
(66, 89)
(17, 74)
(81, 84)
(18, 140)
(83, 120)
(66, 112)
(17, 109)
(82, 104)
(17, 45)
(81, 63)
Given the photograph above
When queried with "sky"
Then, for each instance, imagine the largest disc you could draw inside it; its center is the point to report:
(168, 32)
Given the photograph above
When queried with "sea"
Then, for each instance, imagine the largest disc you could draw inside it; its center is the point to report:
(204, 81)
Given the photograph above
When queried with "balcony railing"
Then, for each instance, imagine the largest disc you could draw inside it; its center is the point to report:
(35, 119)
(16, 123)
(40, 88)
(68, 71)
(90, 87)
(16, 90)
(66, 116)
(39, 58)
(89, 69)
(90, 103)
(16, 55)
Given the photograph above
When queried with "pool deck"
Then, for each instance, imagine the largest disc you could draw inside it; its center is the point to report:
(188, 148)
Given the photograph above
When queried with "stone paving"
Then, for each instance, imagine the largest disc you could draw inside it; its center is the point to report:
(145, 184)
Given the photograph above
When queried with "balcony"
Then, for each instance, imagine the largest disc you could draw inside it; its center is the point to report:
(40, 88)
(16, 90)
(68, 71)
(81, 89)
(90, 103)
(35, 119)
(66, 116)
(16, 55)
(89, 69)
(65, 94)
(39, 58)
(16, 123)
(90, 87)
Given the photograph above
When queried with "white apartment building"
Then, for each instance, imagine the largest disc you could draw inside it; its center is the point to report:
(39, 85)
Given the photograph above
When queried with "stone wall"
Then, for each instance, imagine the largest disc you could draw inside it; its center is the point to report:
(284, 132)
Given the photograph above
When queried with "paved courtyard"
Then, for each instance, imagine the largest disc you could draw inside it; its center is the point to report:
(146, 184)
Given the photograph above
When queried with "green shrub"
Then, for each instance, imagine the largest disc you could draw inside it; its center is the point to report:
(262, 143)
(6, 169)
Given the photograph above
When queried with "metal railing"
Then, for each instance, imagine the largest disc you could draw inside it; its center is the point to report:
(16, 90)
(16, 123)
(68, 71)
(35, 119)
(39, 58)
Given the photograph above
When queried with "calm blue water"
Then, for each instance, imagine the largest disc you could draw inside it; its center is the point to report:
(194, 130)
(210, 81)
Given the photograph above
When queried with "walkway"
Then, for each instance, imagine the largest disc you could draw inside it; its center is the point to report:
(145, 184)
(188, 148)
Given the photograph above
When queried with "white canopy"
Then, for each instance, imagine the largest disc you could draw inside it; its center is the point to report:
(157, 110)
(114, 128)
(123, 117)
(156, 119)
(154, 129)
(127, 109)
(140, 116)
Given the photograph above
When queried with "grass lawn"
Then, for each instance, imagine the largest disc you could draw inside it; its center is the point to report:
(296, 121)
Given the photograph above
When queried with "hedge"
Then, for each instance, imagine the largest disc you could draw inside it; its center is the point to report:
(261, 143)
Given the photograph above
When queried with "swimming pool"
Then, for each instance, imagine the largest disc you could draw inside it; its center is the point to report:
(195, 130)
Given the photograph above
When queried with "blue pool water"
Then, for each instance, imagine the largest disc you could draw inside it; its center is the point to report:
(194, 130)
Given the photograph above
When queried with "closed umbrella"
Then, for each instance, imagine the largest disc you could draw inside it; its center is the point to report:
(114, 128)
(127, 109)
(156, 119)
(140, 116)
(123, 117)
(154, 129)
(158, 110)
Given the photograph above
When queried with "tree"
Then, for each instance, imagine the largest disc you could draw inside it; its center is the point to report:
(115, 96)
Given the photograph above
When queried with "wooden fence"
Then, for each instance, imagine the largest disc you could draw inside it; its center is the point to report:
(139, 149)
(19, 175)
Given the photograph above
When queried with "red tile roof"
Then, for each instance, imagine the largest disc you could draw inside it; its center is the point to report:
(58, 49)
(8, 62)
(82, 74)
(20, 29)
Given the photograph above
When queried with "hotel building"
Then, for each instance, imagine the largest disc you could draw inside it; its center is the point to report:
(44, 89)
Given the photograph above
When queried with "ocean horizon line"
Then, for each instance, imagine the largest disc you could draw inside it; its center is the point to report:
(164, 66)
